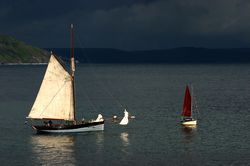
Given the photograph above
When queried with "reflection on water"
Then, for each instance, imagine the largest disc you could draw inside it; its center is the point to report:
(188, 151)
(188, 134)
(125, 139)
(51, 149)
(99, 140)
(125, 142)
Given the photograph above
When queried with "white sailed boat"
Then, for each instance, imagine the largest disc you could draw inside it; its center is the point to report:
(187, 119)
(124, 120)
(55, 101)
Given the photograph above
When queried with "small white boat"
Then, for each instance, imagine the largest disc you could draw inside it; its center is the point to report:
(187, 119)
(124, 120)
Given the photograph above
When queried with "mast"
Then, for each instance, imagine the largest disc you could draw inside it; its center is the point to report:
(73, 67)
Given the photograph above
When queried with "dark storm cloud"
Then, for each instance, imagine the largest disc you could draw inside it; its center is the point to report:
(43, 9)
(162, 24)
(130, 24)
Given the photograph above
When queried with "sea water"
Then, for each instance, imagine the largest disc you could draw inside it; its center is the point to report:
(153, 93)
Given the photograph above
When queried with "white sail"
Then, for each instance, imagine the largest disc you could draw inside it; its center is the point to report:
(124, 120)
(55, 97)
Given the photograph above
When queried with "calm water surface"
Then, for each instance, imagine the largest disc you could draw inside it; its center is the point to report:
(154, 94)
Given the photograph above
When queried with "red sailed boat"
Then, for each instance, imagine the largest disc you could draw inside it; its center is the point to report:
(187, 119)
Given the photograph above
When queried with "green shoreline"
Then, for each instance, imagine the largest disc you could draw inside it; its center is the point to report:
(13, 51)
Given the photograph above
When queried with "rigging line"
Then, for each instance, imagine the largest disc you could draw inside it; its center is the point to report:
(196, 108)
(62, 60)
(86, 95)
(94, 107)
(93, 73)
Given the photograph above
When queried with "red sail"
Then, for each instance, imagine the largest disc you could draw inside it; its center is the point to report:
(187, 104)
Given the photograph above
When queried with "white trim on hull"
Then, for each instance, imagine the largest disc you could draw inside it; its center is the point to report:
(77, 130)
(189, 123)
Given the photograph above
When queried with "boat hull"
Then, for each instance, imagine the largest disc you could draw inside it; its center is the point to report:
(189, 123)
(92, 126)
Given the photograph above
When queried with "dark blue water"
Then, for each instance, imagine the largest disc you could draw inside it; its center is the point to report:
(154, 94)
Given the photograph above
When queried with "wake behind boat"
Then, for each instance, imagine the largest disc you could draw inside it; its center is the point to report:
(55, 101)
(187, 119)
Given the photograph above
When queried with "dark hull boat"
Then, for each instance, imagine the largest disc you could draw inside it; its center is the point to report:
(56, 100)
(63, 128)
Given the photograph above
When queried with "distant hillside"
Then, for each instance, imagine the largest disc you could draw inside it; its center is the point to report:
(176, 55)
(14, 51)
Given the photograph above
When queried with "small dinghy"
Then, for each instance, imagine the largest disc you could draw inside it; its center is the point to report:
(124, 120)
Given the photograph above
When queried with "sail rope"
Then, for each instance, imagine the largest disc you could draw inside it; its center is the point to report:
(88, 99)
(93, 73)
(62, 61)
(196, 108)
